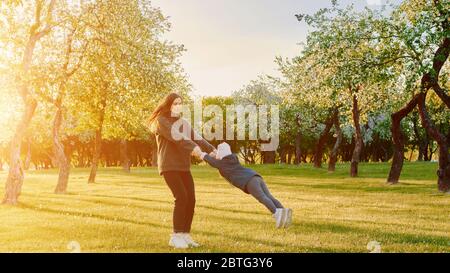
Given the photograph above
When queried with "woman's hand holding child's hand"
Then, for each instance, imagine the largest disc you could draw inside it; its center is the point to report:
(197, 152)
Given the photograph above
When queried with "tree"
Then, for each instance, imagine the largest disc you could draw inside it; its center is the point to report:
(421, 30)
(70, 36)
(102, 65)
(42, 25)
(340, 52)
(263, 91)
(128, 68)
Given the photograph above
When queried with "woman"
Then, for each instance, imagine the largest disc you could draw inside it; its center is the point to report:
(174, 161)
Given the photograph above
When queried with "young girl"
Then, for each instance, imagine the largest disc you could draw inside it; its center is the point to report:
(248, 181)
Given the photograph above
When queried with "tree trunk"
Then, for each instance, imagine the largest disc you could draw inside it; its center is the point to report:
(13, 185)
(61, 158)
(268, 157)
(422, 143)
(431, 80)
(443, 172)
(298, 150)
(282, 155)
(337, 144)
(14, 181)
(431, 150)
(124, 155)
(298, 141)
(423, 151)
(318, 156)
(358, 138)
(398, 139)
(96, 155)
(289, 157)
(97, 143)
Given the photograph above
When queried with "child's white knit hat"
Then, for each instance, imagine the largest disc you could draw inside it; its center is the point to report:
(223, 149)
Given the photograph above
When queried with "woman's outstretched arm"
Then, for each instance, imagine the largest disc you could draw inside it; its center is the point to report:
(200, 141)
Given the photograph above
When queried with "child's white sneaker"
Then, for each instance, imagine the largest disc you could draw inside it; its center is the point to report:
(187, 237)
(279, 215)
(288, 219)
(177, 241)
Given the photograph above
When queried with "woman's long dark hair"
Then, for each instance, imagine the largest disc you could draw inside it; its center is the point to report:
(163, 108)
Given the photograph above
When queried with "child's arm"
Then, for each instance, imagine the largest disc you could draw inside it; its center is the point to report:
(200, 141)
(211, 161)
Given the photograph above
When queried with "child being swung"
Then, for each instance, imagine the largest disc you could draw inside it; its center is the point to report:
(248, 181)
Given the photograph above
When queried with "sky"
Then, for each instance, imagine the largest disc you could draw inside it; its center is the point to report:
(231, 42)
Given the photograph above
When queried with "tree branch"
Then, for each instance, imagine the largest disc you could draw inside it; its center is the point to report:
(48, 19)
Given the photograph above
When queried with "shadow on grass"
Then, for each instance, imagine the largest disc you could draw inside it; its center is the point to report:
(411, 171)
(145, 223)
(304, 227)
(376, 234)
(171, 203)
(89, 215)
(399, 188)
(406, 188)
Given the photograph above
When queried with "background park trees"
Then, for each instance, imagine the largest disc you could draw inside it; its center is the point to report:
(371, 63)
(79, 78)
(101, 65)
(334, 76)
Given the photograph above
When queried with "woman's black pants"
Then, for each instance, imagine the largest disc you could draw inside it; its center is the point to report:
(182, 186)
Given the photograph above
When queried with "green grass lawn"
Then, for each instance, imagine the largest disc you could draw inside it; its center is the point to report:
(133, 212)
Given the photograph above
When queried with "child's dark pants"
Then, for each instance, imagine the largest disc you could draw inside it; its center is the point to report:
(258, 189)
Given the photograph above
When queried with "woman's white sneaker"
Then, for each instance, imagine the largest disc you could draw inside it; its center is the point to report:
(177, 241)
(189, 240)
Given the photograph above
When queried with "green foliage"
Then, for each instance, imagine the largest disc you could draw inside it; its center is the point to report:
(378, 56)
(101, 58)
